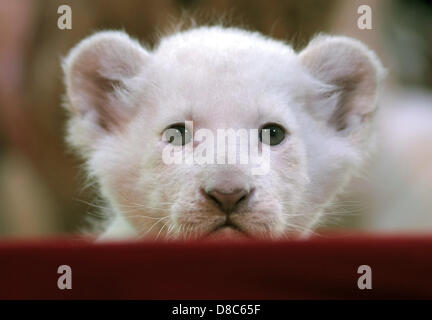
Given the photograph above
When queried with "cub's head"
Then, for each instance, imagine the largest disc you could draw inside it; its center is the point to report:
(220, 131)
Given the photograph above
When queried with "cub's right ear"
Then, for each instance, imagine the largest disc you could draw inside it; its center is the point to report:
(99, 73)
(353, 73)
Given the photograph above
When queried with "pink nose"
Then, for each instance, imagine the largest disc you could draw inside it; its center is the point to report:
(228, 201)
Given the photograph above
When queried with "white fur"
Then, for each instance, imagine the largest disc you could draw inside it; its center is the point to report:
(122, 96)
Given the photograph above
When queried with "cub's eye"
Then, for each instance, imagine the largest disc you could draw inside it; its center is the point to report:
(271, 134)
(177, 134)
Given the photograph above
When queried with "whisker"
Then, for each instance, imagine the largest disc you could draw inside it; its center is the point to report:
(146, 217)
(157, 236)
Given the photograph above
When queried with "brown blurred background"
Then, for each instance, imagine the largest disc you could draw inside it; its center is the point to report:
(42, 189)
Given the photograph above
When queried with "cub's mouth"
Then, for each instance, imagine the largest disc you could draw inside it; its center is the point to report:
(227, 230)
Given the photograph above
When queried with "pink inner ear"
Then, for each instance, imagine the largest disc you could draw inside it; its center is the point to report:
(96, 72)
(93, 92)
(350, 66)
(108, 115)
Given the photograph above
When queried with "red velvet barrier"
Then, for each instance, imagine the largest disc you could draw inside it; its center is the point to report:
(309, 269)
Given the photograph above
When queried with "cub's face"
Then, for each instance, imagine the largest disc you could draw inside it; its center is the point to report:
(220, 131)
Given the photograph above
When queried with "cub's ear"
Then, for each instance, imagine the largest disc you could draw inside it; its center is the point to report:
(350, 75)
(99, 73)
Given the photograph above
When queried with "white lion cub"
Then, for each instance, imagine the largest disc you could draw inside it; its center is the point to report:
(312, 113)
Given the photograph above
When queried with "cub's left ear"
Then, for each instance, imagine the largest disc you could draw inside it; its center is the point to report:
(350, 75)
(98, 74)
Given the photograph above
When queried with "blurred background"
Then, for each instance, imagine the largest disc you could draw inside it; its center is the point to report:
(42, 189)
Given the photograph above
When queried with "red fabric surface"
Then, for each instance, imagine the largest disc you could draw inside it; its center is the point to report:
(309, 269)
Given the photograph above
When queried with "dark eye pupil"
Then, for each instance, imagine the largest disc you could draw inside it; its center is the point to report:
(276, 134)
(177, 135)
